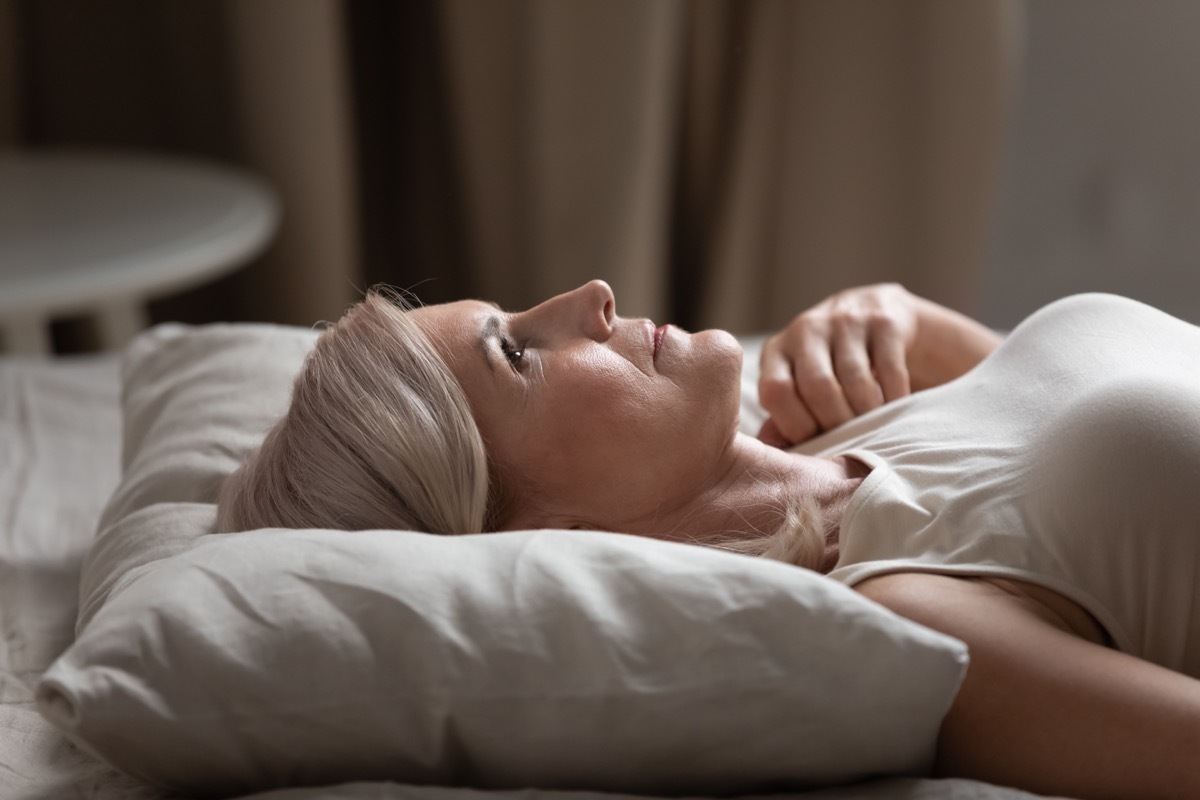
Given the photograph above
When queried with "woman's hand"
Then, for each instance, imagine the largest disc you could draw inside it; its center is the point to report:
(841, 358)
(857, 350)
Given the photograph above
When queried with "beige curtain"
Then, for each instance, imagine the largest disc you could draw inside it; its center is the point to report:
(719, 162)
(728, 162)
(296, 129)
(564, 115)
(868, 148)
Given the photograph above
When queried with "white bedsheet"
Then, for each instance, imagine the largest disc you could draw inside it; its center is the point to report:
(59, 459)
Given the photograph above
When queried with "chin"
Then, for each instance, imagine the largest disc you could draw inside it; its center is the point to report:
(723, 369)
(710, 367)
(722, 344)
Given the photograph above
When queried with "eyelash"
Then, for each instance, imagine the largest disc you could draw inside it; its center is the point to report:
(514, 354)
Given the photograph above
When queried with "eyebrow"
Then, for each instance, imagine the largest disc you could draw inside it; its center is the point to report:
(490, 329)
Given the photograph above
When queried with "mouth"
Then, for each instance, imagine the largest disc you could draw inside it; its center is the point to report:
(660, 333)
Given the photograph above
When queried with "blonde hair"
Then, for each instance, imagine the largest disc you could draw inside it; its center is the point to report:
(379, 434)
(799, 539)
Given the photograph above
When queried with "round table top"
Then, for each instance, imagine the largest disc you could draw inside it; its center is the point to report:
(80, 228)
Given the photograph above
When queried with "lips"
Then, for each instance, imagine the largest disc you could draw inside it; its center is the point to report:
(660, 333)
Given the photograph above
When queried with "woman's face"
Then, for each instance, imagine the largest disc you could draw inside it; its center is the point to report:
(596, 420)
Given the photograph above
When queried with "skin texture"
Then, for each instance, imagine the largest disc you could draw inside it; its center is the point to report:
(567, 391)
(603, 434)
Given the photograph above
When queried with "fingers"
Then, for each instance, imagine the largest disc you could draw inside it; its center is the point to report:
(818, 382)
(770, 434)
(852, 364)
(890, 360)
(799, 388)
(836, 361)
(777, 393)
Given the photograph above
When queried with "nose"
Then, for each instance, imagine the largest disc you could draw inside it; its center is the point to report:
(598, 307)
(588, 310)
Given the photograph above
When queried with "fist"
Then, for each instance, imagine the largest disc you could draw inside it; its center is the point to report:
(841, 358)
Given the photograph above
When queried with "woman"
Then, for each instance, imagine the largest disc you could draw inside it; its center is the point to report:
(1037, 501)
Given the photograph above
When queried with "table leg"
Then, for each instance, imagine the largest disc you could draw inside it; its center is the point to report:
(118, 321)
(27, 335)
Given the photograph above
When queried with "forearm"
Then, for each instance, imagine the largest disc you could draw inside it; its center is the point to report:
(947, 344)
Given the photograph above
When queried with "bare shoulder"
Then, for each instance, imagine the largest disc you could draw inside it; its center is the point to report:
(905, 586)
(948, 600)
(1044, 706)
(928, 598)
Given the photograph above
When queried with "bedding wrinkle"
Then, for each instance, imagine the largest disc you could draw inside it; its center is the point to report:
(237, 598)
(59, 449)
(17, 467)
(59, 453)
(610, 593)
(37, 613)
(210, 663)
(55, 442)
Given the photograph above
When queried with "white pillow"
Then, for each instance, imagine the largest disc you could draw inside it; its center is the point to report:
(233, 663)
(193, 402)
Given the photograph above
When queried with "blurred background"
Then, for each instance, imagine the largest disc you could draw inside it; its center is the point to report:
(720, 163)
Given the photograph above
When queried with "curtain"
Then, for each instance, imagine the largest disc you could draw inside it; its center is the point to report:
(718, 162)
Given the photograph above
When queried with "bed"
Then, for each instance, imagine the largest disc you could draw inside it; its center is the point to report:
(145, 657)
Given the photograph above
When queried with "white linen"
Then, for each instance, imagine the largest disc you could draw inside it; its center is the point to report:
(59, 441)
(58, 464)
(564, 660)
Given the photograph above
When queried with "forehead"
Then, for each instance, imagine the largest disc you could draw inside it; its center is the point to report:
(447, 317)
(454, 328)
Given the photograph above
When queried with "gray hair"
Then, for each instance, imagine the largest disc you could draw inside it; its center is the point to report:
(379, 434)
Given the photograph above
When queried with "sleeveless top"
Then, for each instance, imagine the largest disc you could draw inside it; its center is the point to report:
(1069, 459)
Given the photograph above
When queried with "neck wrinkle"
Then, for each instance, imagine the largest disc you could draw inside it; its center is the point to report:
(750, 489)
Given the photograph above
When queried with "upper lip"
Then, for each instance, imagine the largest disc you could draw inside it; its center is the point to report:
(656, 337)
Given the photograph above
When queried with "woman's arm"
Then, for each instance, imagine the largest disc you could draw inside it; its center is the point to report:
(856, 350)
(1044, 710)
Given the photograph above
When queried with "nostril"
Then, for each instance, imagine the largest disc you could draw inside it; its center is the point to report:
(599, 290)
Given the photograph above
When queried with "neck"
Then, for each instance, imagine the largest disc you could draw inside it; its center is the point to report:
(752, 486)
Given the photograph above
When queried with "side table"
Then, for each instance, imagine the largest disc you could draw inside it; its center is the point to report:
(99, 234)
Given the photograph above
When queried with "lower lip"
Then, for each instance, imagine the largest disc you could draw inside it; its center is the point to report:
(660, 334)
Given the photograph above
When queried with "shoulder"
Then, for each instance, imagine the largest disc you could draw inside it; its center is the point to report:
(925, 596)
(960, 605)
(970, 609)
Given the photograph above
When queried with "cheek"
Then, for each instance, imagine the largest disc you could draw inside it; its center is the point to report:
(600, 424)
(711, 382)
(610, 427)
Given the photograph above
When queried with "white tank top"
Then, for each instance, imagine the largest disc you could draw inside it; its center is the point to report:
(1069, 458)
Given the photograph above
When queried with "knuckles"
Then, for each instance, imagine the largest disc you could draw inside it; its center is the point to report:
(819, 390)
(774, 392)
